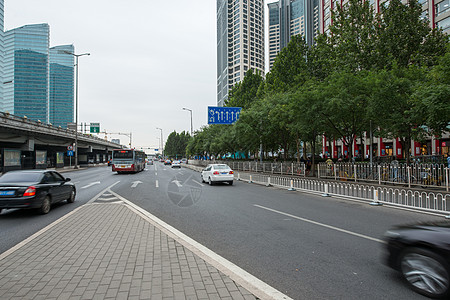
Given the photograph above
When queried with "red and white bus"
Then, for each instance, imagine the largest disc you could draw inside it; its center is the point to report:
(128, 160)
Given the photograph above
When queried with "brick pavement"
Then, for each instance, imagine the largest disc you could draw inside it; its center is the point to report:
(107, 250)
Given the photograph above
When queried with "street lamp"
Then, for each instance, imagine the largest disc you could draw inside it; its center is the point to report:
(162, 141)
(76, 103)
(190, 110)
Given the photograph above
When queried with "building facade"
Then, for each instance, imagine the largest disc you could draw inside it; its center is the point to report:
(61, 95)
(288, 18)
(240, 43)
(2, 50)
(437, 12)
(26, 72)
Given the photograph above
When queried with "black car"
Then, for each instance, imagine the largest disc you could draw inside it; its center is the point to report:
(421, 253)
(34, 189)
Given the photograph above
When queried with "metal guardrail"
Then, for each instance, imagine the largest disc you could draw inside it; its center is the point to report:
(423, 175)
(421, 200)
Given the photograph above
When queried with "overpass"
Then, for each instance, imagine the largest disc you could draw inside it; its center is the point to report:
(26, 144)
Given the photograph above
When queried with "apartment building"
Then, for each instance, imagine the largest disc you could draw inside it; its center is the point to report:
(240, 43)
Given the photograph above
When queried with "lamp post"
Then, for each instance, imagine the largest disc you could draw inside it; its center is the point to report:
(190, 110)
(162, 141)
(76, 103)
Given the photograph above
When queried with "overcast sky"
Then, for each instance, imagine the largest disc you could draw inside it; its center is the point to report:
(149, 59)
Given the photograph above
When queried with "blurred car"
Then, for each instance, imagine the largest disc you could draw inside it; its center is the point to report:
(167, 162)
(184, 161)
(176, 164)
(35, 189)
(421, 253)
(150, 162)
(217, 173)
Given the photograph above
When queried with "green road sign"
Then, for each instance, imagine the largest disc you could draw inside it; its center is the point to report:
(94, 127)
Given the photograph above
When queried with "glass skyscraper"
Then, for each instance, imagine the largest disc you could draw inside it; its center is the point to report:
(288, 18)
(2, 49)
(61, 101)
(26, 72)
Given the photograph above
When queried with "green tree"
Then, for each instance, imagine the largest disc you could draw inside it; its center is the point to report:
(404, 38)
(244, 93)
(290, 68)
(176, 144)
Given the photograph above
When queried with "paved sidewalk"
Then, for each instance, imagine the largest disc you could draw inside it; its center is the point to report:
(106, 249)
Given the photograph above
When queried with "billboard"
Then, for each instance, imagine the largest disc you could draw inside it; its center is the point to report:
(223, 115)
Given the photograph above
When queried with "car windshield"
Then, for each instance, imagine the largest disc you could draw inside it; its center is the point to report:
(20, 177)
(221, 167)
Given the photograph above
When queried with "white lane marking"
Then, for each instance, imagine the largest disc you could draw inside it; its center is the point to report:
(177, 183)
(135, 183)
(90, 184)
(323, 225)
(76, 182)
(157, 184)
(251, 283)
(197, 182)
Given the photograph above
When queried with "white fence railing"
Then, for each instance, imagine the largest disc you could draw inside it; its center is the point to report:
(424, 175)
(423, 200)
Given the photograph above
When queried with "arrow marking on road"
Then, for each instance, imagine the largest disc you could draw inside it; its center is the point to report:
(177, 183)
(135, 183)
(90, 184)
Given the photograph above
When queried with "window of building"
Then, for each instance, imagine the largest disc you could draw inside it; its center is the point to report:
(442, 7)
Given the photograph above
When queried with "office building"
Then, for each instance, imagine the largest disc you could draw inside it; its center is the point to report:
(288, 18)
(26, 72)
(2, 50)
(61, 96)
(437, 12)
(240, 42)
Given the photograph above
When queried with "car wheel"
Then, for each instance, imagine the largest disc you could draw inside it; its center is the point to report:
(203, 180)
(71, 198)
(426, 272)
(230, 182)
(45, 208)
(210, 181)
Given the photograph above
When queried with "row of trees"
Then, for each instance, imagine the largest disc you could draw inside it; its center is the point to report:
(176, 144)
(387, 71)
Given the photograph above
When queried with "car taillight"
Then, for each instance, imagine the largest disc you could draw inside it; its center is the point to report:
(231, 172)
(216, 173)
(132, 167)
(30, 191)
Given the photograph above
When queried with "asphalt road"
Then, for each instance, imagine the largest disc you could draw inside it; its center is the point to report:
(306, 246)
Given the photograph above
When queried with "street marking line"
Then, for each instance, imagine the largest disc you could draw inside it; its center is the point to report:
(323, 225)
(254, 285)
(197, 182)
(157, 184)
(48, 227)
(91, 184)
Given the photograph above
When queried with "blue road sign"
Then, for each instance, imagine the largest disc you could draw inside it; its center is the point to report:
(70, 153)
(223, 115)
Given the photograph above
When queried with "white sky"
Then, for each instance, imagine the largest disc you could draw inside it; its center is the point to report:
(149, 59)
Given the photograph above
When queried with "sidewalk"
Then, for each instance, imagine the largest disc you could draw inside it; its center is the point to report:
(108, 249)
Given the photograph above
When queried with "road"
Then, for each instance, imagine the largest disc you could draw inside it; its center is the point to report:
(306, 246)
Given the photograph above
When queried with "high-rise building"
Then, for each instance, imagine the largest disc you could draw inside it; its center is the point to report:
(240, 42)
(2, 50)
(61, 100)
(437, 12)
(288, 18)
(26, 72)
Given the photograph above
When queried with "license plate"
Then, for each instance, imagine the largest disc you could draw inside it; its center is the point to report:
(224, 173)
(7, 193)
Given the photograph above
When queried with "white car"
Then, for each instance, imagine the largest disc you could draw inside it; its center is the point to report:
(217, 173)
(176, 164)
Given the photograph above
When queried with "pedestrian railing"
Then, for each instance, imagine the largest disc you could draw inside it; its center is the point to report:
(422, 200)
(424, 175)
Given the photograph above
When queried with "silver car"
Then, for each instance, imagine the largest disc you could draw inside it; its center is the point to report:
(217, 173)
